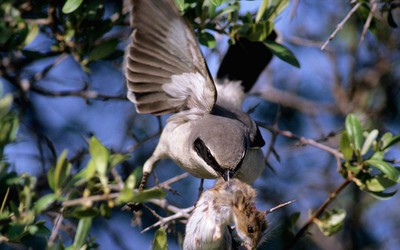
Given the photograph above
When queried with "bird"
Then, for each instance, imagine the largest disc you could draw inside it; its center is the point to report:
(207, 133)
(227, 203)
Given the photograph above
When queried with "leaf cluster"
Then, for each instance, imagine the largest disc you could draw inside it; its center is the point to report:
(212, 17)
(83, 195)
(364, 158)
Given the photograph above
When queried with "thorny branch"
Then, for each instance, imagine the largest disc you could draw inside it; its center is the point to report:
(319, 211)
(303, 140)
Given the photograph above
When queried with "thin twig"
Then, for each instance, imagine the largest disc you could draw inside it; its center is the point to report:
(280, 206)
(294, 9)
(85, 94)
(54, 232)
(163, 203)
(368, 21)
(303, 140)
(183, 213)
(87, 201)
(341, 24)
(320, 210)
(290, 100)
(166, 184)
(139, 144)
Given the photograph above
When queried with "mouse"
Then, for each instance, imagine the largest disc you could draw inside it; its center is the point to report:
(227, 203)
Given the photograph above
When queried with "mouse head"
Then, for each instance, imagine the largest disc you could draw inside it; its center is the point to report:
(250, 222)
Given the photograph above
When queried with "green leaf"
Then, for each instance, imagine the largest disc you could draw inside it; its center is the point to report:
(90, 169)
(15, 231)
(216, 2)
(344, 146)
(378, 155)
(130, 182)
(82, 232)
(331, 222)
(354, 131)
(379, 183)
(180, 4)
(128, 195)
(225, 11)
(392, 141)
(154, 193)
(32, 229)
(105, 210)
(261, 10)
(385, 140)
(83, 212)
(71, 6)
(79, 178)
(116, 159)
(368, 141)
(280, 6)
(382, 196)
(5, 104)
(100, 155)
(387, 169)
(103, 50)
(44, 202)
(42, 230)
(50, 178)
(260, 31)
(125, 196)
(207, 39)
(160, 240)
(270, 9)
(282, 52)
(33, 32)
(61, 172)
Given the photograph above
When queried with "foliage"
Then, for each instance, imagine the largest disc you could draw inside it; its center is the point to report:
(364, 154)
(83, 195)
(223, 17)
(78, 189)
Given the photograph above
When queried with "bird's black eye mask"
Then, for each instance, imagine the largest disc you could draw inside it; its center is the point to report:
(203, 151)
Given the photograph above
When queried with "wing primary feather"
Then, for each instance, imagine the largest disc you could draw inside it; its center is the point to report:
(165, 69)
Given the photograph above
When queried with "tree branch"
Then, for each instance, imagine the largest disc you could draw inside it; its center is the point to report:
(341, 24)
(320, 210)
(303, 140)
(287, 99)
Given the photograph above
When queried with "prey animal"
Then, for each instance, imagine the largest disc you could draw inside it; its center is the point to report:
(230, 202)
(207, 134)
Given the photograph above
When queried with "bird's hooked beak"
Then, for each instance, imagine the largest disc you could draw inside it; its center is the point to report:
(228, 174)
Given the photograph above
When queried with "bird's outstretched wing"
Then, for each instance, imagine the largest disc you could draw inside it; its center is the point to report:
(165, 69)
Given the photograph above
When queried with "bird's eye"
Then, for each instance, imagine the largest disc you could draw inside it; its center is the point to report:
(250, 230)
(201, 149)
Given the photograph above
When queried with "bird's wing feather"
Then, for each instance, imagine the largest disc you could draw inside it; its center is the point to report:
(165, 69)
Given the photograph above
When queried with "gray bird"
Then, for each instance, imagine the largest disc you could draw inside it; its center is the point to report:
(207, 134)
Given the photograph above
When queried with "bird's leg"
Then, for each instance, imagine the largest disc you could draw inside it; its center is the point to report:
(147, 168)
(143, 181)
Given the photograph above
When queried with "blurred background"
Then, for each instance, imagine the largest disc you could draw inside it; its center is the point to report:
(62, 99)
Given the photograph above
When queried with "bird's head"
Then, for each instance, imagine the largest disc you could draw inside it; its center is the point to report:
(221, 143)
